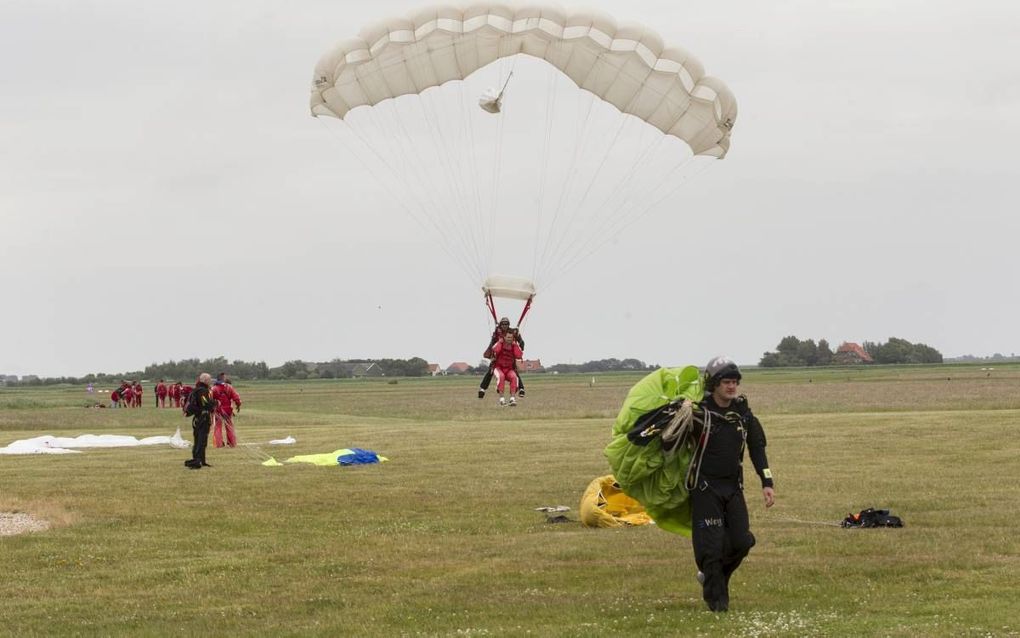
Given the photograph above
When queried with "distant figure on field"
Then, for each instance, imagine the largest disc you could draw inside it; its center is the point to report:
(138, 394)
(115, 399)
(128, 395)
(161, 392)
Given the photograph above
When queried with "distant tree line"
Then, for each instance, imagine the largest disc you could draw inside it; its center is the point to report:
(902, 351)
(792, 352)
(188, 369)
(602, 365)
(998, 357)
(350, 368)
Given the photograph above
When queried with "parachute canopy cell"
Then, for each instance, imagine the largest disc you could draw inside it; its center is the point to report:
(627, 66)
(508, 287)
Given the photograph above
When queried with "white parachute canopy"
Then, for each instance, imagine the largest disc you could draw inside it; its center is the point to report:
(597, 123)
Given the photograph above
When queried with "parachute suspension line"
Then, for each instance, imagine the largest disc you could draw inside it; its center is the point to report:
(790, 519)
(443, 155)
(601, 220)
(459, 196)
(393, 131)
(450, 228)
(497, 165)
(472, 161)
(678, 431)
(255, 452)
(474, 236)
(629, 219)
(550, 108)
(457, 258)
(694, 469)
(447, 159)
(580, 141)
(628, 214)
(413, 168)
(682, 176)
(572, 216)
(624, 119)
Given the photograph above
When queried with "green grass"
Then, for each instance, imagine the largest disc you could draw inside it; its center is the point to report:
(443, 540)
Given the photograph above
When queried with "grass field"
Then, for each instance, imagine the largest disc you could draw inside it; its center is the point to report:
(443, 539)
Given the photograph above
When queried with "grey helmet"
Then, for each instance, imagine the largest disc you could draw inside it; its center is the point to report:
(721, 367)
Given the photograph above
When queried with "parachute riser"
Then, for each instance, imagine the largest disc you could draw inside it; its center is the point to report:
(527, 307)
(491, 305)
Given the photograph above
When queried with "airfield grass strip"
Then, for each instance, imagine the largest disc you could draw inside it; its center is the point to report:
(443, 539)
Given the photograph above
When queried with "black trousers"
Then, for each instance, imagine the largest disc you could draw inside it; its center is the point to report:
(487, 379)
(200, 428)
(721, 536)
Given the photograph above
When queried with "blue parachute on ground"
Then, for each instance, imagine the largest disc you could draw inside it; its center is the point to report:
(646, 472)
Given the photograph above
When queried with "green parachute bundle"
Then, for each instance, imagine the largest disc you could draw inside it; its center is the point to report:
(654, 479)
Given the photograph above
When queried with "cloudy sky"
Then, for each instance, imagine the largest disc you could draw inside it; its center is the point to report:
(165, 194)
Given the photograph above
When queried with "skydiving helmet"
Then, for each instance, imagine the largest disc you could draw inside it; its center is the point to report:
(719, 368)
(504, 321)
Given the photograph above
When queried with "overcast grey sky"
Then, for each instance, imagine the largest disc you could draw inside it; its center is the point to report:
(165, 194)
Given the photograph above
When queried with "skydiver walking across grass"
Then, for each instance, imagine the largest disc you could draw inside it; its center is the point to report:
(497, 336)
(721, 532)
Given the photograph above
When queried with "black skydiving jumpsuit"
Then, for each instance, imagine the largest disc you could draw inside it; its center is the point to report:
(200, 408)
(721, 528)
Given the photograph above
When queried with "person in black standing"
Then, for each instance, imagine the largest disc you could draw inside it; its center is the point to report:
(200, 407)
(721, 533)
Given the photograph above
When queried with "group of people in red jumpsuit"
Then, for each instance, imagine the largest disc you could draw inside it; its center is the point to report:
(128, 395)
(176, 393)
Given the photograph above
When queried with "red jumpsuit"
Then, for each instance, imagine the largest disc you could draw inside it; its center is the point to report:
(504, 365)
(185, 392)
(161, 394)
(227, 397)
(129, 396)
(138, 395)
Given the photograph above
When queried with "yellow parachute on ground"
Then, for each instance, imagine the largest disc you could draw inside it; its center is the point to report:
(605, 505)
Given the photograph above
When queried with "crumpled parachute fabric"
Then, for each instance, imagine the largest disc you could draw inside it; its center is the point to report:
(67, 445)
(643, 472)
(345, 456)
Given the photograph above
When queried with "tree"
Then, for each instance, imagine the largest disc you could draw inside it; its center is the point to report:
(824, 353)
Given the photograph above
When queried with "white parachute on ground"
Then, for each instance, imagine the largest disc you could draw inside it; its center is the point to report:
(73, 445)
(602, 123)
